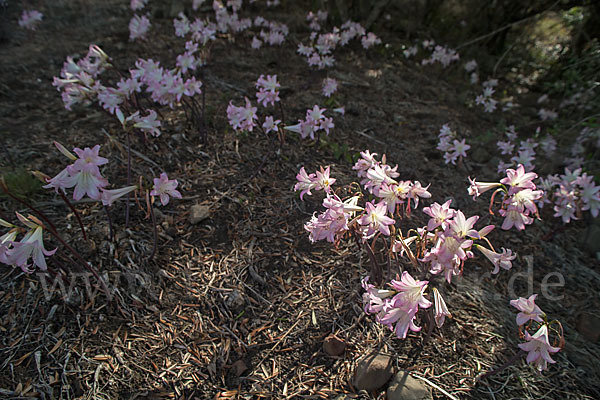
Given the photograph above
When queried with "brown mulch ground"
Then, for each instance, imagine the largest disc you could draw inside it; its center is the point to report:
(238, 305)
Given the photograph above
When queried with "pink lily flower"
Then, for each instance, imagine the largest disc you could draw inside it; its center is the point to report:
(529, 310)
(518, 179)
(165, 188)
(441, 310)
(375, 219)
(411, 292)
(500, 260)
(439, 214)
(404, 319)
(305, 183)
(31, 245)
(87, 181)
(88, 156)
(539, 348)
(108, 197)
(477, 188)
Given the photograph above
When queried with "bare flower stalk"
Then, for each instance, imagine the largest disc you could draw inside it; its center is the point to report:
(74, 210)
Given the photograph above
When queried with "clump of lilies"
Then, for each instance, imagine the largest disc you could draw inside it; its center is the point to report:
(373, 212)
(84, 176)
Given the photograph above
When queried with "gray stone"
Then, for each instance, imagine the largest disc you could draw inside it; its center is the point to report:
(372, 371)
(198, 213)
(405, 387)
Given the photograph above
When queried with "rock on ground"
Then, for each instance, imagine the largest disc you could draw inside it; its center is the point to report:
(373, 371)
(198, 213)
(405, 387)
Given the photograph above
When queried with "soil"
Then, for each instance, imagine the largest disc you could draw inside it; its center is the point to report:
(239, 304)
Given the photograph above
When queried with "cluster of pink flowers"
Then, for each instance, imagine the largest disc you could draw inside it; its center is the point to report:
(317, 181)
(453, 236)
(17, 253)
(30, 19)
(167, 86)
(230, 21)
(379, 179)
(148, 124)
(227, 19)
(201, 32)
(376, 216)
(453, 148)
(400, 303)
(137, 5)
(547, 115)
(485, 99)
(571, 194)
(138, 27)
(444, 244)
(369, 40)
(441, 54)
(471, 68)
(319, 52)
(411, 51)
(330, 86)
(331, 224)
(242, 119)
(520, 196)
(449, 233)
(315, 19)
(77, 82)
(272, 33)
(314, 122)
(397, 307)
(84, 174)
(268, 90)
(532, 318)
(526, 152)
